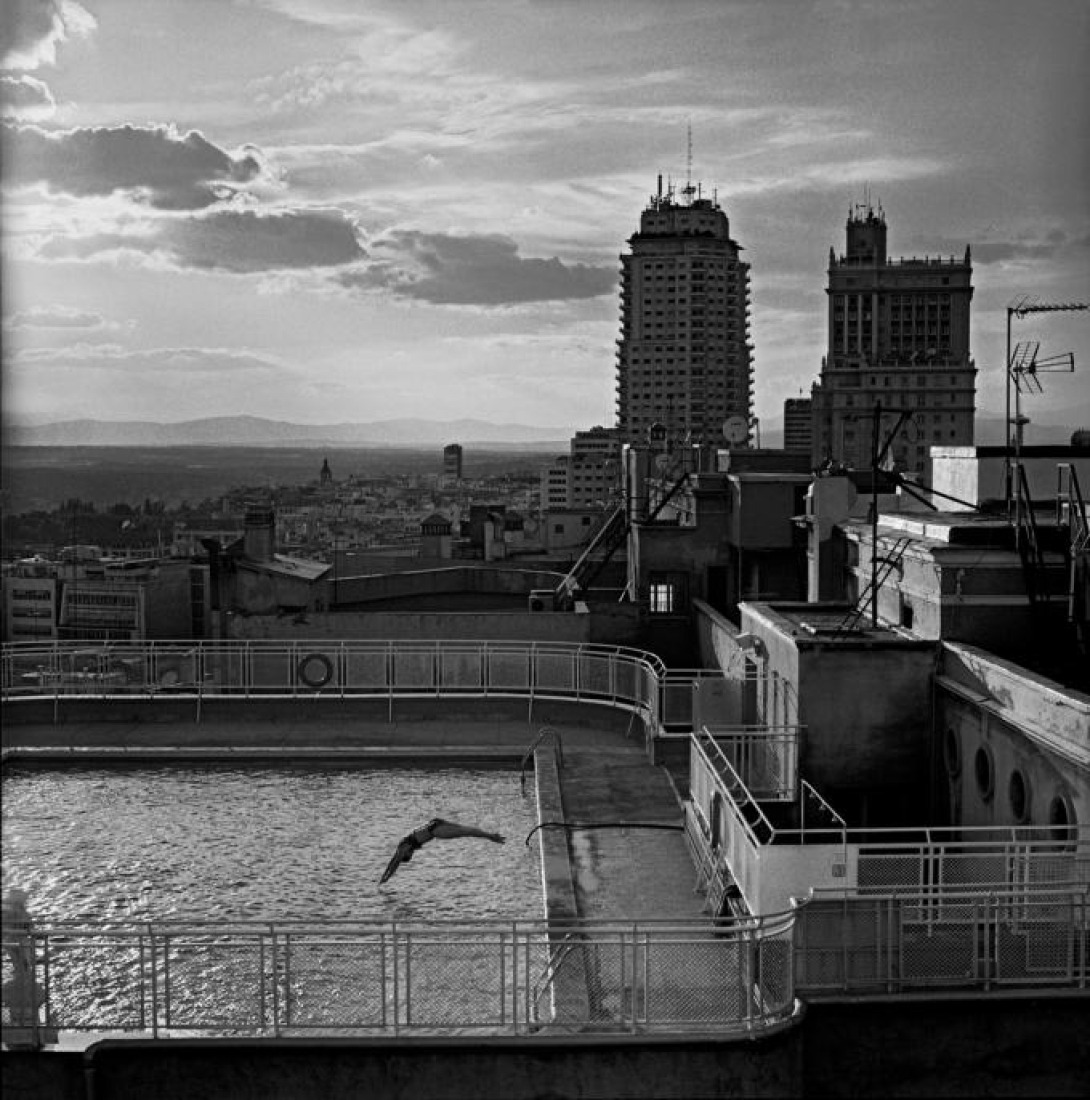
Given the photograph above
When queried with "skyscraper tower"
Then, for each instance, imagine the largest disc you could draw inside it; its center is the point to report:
(683, 357)
(898, 335)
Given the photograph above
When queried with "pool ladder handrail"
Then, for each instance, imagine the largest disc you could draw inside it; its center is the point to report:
(544, 732)
(557, 956)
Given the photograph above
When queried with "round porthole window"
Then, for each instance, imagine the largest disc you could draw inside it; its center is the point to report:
(1061, 818)
(951, 751)
(984, 770)
(1018, 796)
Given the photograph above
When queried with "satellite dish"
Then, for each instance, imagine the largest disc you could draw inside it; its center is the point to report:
(736, 429)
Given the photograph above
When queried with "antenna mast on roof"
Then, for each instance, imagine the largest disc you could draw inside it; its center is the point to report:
(688, 192)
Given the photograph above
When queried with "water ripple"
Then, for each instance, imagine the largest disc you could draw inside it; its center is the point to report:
(270, 843)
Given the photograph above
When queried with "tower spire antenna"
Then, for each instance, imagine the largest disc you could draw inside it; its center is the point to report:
(689, 189)
(689, 154)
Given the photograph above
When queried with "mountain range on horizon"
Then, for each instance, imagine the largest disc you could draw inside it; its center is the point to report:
(254, 431)
(1046, 427)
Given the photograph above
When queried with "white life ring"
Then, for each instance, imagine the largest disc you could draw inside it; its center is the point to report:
(306, 672)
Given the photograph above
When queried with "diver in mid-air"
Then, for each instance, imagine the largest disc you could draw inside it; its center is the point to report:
(436, 829)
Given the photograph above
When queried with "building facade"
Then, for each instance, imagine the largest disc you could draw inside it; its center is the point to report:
(798, 434)
(594, 468)
(452, 462)
(684, 359)
(898, 335)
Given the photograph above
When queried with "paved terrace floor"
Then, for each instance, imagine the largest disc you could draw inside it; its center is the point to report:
(605, 777)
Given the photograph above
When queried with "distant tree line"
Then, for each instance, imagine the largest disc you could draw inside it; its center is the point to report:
(79, 521)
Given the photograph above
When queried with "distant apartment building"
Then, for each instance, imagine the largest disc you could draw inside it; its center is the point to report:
(588, 476)
(898, 334)
(134, 600)
(554, 483)
(594, 469)
(452, 462)
(106, 599)
(684, 360)
(798, 432)
(30, 602)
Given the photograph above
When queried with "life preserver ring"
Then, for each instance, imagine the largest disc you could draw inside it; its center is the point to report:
(305, 670)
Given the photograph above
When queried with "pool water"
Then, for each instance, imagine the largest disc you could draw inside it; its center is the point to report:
(265, 843)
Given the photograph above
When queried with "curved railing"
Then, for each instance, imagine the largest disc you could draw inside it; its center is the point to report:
(338, 977)
(613, 675)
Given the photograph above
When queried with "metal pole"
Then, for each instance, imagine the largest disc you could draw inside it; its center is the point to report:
(1007, 472)
(874, 515)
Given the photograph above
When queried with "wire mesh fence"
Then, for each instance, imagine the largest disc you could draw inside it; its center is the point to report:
(615, 675)
(946, 939)
(515, 978)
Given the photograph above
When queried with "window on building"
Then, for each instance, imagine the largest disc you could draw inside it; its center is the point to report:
(667, 593)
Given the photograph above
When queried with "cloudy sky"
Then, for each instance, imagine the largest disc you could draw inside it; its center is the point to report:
(354, 210)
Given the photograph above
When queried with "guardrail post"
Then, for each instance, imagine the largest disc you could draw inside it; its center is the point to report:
(166, 982)
(274, 971)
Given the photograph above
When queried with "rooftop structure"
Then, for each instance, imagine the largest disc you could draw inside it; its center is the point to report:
(798, 430)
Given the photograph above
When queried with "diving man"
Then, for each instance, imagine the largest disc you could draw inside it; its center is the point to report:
(436, 829)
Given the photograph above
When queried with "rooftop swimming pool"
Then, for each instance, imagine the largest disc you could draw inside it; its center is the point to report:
(265, 842)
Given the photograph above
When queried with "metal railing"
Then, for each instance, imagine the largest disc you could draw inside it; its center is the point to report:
(900, 942)
(612, 675)
(765, 757)
(771, 863)
(493, 978)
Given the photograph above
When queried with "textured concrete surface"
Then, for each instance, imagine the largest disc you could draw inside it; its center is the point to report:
(633, 872)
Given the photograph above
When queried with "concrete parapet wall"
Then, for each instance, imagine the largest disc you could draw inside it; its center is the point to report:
(603, 623)
(954, 1046)
(547, 626)
(385, 586)
(1055, 717)
(510, 1069)
(910, 1047)
(280, 723)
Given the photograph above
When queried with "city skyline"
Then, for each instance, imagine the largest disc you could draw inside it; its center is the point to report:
(322, 211)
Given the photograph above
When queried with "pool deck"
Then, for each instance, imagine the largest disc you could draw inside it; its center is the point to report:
(605, 777)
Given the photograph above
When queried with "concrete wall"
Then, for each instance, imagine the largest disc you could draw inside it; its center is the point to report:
(867, 713)
(865, 705)
(569, 530)
(615, 624)
(176, 722)
(543, 626)
(168, 602)
(263, 593)
(976, 474)
(917, 1047)
(420, 582)
(1031, 736)
(762, 511)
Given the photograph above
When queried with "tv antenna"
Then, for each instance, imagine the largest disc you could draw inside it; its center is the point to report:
(688, 192)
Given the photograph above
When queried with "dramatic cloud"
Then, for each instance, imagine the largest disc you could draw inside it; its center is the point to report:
(993, 252)
(155, 165)
(484, 270)
(56, 317)
(31, 30)
(25, 97)
(237, 241)
(184, 361)
(245, 241)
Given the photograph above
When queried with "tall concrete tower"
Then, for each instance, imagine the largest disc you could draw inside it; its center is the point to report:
(683, 358)
(898, 335)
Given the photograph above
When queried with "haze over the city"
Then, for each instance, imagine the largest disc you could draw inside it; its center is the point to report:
(326, 211)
